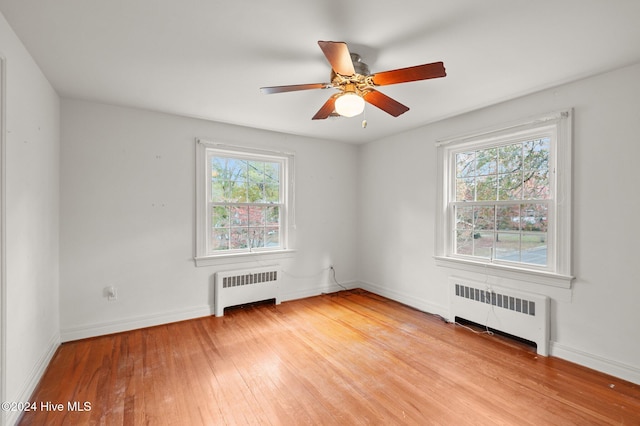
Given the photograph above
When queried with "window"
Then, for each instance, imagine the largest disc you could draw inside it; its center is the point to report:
(505, 198)
(500, 206)
(243, 200)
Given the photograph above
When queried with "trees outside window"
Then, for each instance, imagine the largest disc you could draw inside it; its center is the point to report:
(501, 201)
(245, 203)
(243, 199)
(505, 199)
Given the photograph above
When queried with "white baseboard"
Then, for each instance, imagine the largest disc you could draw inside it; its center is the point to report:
(406, 299)
(315, 291)
(607, 366)
(623, 371)
(33, 378)
(613, 368)
(133, 323)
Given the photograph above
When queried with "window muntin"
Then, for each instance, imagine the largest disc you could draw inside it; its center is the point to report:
(501, 201)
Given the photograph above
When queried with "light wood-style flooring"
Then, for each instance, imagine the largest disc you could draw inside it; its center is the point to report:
(350, 358)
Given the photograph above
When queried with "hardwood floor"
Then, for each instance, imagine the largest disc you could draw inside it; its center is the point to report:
(349, 358)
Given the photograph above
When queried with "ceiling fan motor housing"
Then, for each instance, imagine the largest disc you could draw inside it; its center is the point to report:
(358, 65)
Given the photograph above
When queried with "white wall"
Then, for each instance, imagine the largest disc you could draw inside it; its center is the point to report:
(124, 184)
(128, 209)
(596, 323)
(32, 216)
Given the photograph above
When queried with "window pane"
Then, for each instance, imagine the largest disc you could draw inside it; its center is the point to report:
(534, 248)
(536, 185)
(255, 193)
(464, 217)
(255, 171)
(464, 242)
(236, 170)
(220, 239)
(272, 173)
(536, 154)
(486, 188)
(485, 218)
(465, 189)
(487, 162)
(272, 237)
(217, 191)
(508, 246)
(256, 237)
(255, 176)
(236, 192)
(272, 216)
(272, 193)
(238, 238)
(508, 218)
(534, 217)
(483, 244)
(220, 217)
(227, 191)
(256, 216)
(465, 164)
(510, 158)
(220, 168)
(510, 186)
(239, 216)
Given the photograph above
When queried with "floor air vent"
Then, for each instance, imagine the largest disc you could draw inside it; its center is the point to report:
(517, 313)
(239, 287)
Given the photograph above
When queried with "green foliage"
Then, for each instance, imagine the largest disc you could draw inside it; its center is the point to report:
(242, 181)
(244, 193)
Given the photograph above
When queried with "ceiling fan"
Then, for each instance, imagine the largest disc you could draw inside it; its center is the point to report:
(351, 77)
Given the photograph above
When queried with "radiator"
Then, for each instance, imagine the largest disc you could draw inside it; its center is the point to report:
(238, 287)
(521, 314)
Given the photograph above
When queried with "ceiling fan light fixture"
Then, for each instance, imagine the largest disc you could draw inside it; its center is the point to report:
(349, 104)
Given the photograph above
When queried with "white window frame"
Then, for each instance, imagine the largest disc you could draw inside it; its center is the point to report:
(206, 257)
(557, 272)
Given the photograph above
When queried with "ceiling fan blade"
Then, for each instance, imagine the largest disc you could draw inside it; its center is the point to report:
(404, 75)
(293, 88)
(385, 103)
(326, 109)
(338, 55)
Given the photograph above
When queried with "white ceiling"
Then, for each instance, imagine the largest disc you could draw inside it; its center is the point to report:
(208, 58)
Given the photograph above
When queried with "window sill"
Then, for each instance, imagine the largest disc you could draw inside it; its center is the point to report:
(227, 259)
(502, 271)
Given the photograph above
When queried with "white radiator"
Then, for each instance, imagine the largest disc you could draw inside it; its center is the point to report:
(238, 287)
(521, 314)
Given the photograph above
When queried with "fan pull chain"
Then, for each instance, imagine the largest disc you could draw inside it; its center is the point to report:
(364, 122)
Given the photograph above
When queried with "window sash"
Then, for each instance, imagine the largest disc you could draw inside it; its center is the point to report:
(249, 226)
(485, 236)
